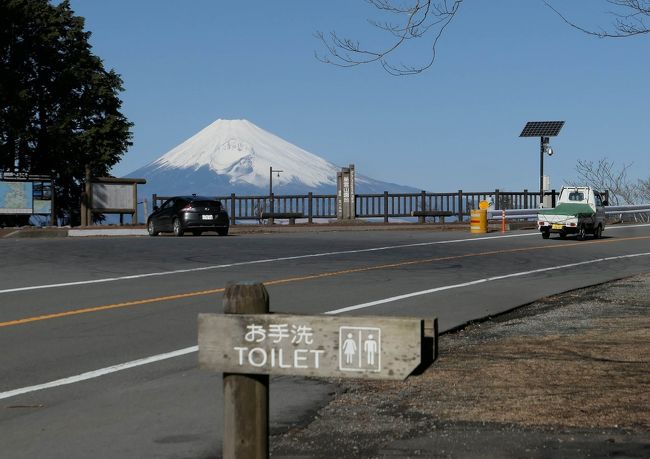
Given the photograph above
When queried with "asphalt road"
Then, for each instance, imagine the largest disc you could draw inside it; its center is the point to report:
(83, 313)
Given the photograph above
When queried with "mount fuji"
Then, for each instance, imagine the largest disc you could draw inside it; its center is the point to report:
(234, 156)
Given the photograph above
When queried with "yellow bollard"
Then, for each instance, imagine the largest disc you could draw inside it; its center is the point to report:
(478, 221)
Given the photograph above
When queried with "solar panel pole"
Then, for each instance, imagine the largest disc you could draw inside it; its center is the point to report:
(543, 130)
(542, 148)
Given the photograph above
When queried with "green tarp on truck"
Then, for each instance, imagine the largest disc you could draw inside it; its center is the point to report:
(569, 209)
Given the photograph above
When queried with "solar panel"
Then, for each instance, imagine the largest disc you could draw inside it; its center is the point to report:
(542, 129)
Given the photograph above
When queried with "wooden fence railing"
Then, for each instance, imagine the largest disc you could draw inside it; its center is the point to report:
(384, 205)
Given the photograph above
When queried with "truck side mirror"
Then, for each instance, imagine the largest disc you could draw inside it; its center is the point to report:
(605, 202)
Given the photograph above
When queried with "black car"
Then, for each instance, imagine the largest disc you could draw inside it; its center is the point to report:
(189, 213)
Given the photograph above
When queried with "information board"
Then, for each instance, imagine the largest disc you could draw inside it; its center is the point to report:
(16, 198)
(112, 196)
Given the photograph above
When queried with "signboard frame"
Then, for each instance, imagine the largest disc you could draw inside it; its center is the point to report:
(120, 196)
(113, 197)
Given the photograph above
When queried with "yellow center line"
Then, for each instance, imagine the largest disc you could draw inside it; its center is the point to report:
(74, 312)
(308, 277)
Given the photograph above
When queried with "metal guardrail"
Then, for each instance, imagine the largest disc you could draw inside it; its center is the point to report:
(494, 214)
(512, 213)
(631, 209)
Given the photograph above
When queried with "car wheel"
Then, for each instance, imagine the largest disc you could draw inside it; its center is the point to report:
(562, 235)
(151, 228)
(546, 234)
(196, 233)
(222, 231)
(582, 233)
(178, 228)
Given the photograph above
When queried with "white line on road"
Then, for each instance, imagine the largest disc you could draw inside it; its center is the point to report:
(478, 281)
(189, 350)
(272, 260)
(98, 373)
(253, 262)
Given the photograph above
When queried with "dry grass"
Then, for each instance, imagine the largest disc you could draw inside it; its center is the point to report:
(600, 378)
(579, 360)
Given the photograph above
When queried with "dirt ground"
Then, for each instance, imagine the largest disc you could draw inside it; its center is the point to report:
(568, 376)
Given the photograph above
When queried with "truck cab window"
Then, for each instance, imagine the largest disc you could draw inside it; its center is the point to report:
(599, 201)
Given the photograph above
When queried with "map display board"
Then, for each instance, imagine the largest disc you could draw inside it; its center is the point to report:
(16, 198)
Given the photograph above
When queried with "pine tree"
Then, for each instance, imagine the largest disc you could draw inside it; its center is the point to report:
(59, 106)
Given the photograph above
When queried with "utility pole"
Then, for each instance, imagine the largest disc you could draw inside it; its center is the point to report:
(271, 171)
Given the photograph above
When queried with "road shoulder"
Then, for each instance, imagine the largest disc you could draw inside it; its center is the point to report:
(568, 375)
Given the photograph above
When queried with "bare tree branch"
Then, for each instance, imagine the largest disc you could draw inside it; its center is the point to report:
(605, 176)
(644, 190)
(416, 18)
(413, 19)
(630, 18)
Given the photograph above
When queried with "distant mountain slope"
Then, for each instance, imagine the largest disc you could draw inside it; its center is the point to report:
(234, 156)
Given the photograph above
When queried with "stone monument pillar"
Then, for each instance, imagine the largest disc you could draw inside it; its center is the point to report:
(345, 194)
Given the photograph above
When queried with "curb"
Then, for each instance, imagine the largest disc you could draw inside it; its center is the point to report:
(106, 232)
(234, 230)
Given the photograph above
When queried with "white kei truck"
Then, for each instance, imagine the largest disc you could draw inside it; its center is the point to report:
(580, 210)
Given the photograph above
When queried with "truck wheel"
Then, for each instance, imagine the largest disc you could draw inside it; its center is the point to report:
(582, 233)
(598, 232)
(546, 234)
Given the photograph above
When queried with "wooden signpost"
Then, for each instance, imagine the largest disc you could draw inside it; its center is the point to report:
(247, 344)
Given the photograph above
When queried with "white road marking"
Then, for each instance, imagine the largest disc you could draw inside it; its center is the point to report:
(189, 350)
(478, 281)
(100, 372)
(272, 260)
(252, 262)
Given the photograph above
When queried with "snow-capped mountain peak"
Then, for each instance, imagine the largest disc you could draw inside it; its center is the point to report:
(234, 156)
(245, 152)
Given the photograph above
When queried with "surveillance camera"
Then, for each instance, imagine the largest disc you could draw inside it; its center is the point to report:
(549, 151)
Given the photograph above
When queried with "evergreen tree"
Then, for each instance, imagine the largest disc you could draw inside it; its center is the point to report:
(59, 106)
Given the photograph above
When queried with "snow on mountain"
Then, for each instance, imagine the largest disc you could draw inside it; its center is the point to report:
(234, 156)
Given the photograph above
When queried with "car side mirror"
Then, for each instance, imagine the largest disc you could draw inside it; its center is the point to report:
(155, 208)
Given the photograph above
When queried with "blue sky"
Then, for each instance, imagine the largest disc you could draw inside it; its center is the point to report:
(455, 126)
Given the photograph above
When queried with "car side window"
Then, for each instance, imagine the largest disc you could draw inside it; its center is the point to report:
(167, 204)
